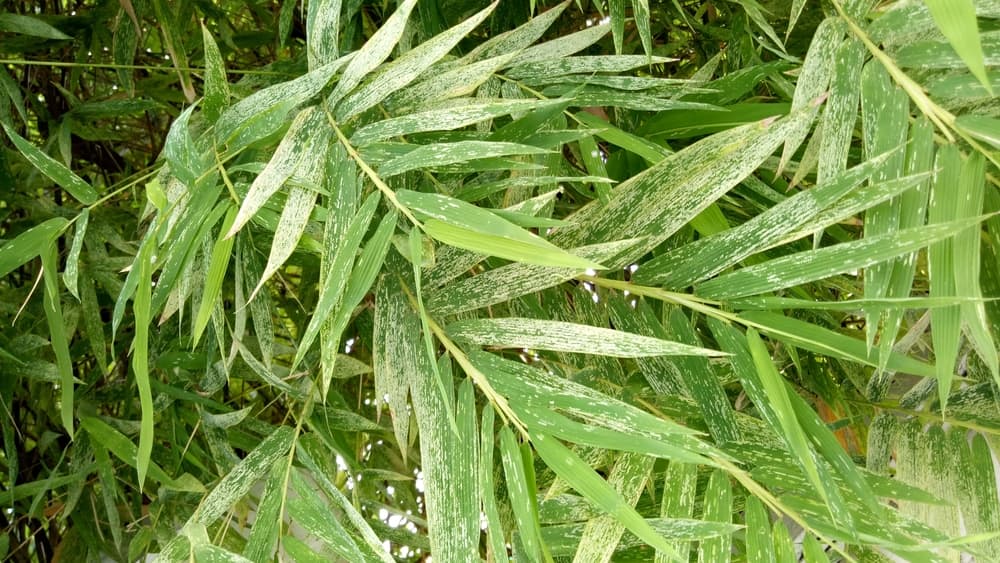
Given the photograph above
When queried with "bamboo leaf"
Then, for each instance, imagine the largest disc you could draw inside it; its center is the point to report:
(300, 140)
(814, 265)
(495, 535)
(567, 337)
(57, 335)
(677, 501)
(217, 266)
(307, 509)
(263, 537)
(971, 189)
(718, 507)
(72, 270)
(827, 342)
(292, 224)
(27, 245)
(568, 466)
(27, 25)
(141, 309)
(586, 65)
(709, 256)
(443, 154)
(775, 394)
(362, 277)
(659, 201)
(758, 532)
(395, 354)
(945, 322)
(957, 21)
(467, 226)
(450, 84)
(521, 494)
(55, 171)
(440, 119)
(602, 535)
(516, 39)
(814, 79)
(450, 465)
(263, 113)
(216, 95)
(373, 53)
(123, 448)
(323, 32)
(405, 69)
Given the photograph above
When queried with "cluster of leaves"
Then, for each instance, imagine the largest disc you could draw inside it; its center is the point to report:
(627, 282)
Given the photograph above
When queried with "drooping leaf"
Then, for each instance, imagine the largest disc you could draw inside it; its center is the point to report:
(957, 21)
(47, 165)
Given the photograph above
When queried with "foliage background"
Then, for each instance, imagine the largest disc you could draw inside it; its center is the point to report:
(819, 173)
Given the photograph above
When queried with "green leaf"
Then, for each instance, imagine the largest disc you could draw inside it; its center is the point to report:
(957, 21)
(55, 171)
(122, 447)
(340, 270)
(758, 532)
(373, 53)
(216, 95)
(711, 255)
(812, 265)
(602, 535)
(261, 114)
(567, 337)
(447, 85)
(814, 79)
(307, 509)
(300, 141)
(238, 482)
(362, 277)
(516, 39)
(323, 32)
(586, 65)
(109, 491)
(140, 358)
(396, 354)
(718, 507)
(981, 127)
(57, 334)
(440, 119)
(827, 342)
(775, 394)
(29, 244)
(563, 46)
(507, 282)
(217, 266)
(677, 500)
(971, 190)
(945, 322)
(443, 154)
(659, 201)
(579, 475)
(495, 536)
(207, 553)
(406, 68)
(27, 25)
(467, 226)
(449, 461)
(350, 511)
(72, 271)
(521, 492)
